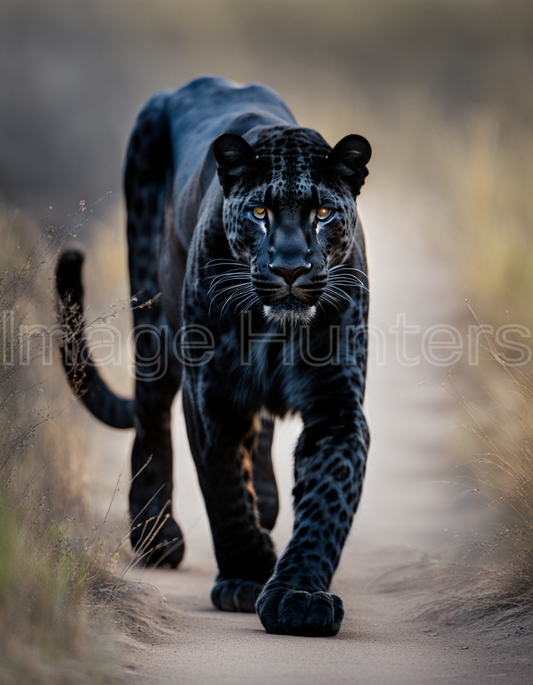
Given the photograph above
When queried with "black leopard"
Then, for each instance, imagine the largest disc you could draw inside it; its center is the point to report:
(246, 248)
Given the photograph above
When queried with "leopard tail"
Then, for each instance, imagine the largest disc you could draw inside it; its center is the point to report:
(82, 373)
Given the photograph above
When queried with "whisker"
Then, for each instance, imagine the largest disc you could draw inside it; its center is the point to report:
(221, 280)
(344, 275)
(349, 285)
(343, 279)
(240, 273)
(328, 297)
(236, 291)
(225, 302)
(347, 268)
(249, 303)
(246, 293)
(235, 294)
(230, 287)
(214, 286)
(348, 278)
(340, 293)
(224, 262)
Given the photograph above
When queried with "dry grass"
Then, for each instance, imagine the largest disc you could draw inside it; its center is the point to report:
(490, 221)
(50, 629)
(503, 477)
(53, 625)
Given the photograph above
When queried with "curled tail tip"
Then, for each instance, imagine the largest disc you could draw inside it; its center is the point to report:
(68, 273)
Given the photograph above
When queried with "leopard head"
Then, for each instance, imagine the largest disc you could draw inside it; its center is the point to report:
(290, 212)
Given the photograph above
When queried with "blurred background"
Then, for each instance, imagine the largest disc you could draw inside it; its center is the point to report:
(74, 75)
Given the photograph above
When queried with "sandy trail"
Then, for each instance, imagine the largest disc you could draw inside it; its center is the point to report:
(404, 510)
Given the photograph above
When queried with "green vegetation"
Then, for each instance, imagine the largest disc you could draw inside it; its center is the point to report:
(48, 619)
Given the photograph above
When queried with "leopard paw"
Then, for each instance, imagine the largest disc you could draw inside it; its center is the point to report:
(236, 595)
(287, 611)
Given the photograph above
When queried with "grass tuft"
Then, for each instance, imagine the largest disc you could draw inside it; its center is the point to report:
(54, 626)
(489, 168)
(48, 618)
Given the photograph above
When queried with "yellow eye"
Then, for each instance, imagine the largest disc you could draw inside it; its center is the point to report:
(259, 212)
(323, 213)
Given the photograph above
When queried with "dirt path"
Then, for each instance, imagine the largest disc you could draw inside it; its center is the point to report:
(405, 508)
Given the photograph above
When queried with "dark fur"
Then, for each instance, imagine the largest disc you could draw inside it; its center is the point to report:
(189, 241)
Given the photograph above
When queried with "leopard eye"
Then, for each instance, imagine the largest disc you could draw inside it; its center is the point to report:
(259, 213)
(323, 213)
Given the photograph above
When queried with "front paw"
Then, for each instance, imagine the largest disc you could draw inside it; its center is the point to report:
(236, 595)
(286, 611)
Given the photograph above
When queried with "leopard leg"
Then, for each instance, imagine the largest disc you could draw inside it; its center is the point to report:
(244, 551)
(330, 462)
(155, 535)
(264, 479)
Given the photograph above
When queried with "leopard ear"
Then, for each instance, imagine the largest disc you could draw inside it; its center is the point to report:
(349, 158)
(234, 157)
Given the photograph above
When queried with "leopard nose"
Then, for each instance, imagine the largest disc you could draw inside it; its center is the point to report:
(290, 274)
